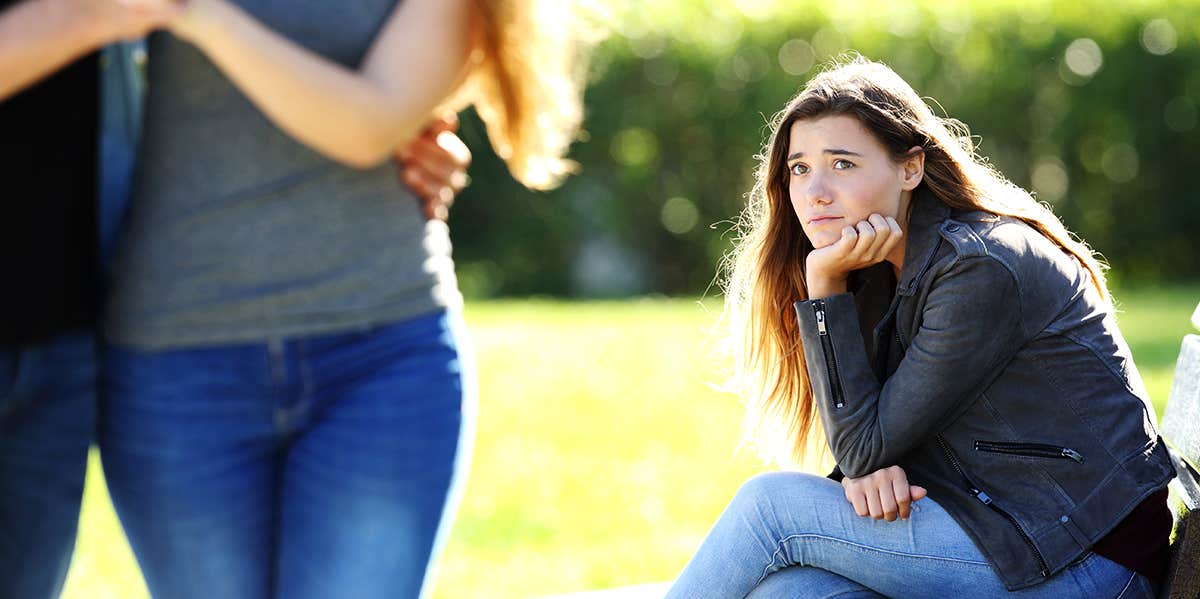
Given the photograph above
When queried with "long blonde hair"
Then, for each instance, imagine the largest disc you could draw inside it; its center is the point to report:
(526, 83)
(764, 270)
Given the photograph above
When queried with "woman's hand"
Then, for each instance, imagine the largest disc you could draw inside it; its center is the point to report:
(866, 243)
(434, 166)
(883, 494)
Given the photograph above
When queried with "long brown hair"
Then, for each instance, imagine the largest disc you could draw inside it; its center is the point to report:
(764, 270)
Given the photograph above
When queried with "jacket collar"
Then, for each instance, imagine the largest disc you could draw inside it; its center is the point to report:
(926, 214)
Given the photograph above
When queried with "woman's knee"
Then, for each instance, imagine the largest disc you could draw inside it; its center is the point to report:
(790, 488)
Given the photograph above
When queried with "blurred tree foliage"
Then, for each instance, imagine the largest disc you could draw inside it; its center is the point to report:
(1091, 104)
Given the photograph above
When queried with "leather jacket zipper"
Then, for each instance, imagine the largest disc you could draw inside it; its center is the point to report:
(835, 385)
(985, 499)
(1036, 450)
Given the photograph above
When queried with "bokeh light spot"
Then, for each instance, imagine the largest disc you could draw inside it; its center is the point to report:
(1049, 179)
(827, 42)
(1084, 57)
(1120, 163)
(634, 147)
(1159, 37)
(796, 57)
(679, 215)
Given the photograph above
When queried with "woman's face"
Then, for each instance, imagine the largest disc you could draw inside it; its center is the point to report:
(838, 174)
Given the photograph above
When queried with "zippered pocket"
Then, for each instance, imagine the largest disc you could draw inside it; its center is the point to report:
(1033, 450)
(835, 385)
(986, 499)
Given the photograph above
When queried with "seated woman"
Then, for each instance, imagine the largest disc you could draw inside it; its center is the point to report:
(955, 342)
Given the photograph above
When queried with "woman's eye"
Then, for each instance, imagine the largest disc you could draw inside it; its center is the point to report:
(799, 169)
(842, 164)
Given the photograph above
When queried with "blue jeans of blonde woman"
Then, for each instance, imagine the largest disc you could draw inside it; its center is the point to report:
(791, 535)
(321, 466)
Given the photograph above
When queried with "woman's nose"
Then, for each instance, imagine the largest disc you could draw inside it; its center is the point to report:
(817, 193)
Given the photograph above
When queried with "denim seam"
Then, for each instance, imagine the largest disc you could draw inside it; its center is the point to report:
(779, 549)
(1127, 585)
(847, 593)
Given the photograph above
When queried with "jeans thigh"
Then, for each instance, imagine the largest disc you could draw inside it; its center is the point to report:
(369, 488)
(809, 522)
(813, 583)
(1097, 576)
(781, 520)
(47, 415)
(191, 462)
(908, 558)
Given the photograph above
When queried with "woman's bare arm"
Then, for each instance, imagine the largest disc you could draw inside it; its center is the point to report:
(37, 37)
(355, 117)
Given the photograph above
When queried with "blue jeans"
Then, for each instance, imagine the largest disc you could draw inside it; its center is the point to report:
(121, 88)
(47, 415)
(48, 390)
(324, 466)
(794, 535)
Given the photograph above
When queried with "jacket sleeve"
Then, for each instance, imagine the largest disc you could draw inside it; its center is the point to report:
(836, 475)
(970, 327)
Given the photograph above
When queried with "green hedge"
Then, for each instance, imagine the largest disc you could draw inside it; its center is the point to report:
(1091, 105)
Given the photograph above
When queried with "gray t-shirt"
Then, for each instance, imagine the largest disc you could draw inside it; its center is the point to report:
(239, 233)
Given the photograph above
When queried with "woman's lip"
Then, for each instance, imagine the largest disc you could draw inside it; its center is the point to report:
(820, 219)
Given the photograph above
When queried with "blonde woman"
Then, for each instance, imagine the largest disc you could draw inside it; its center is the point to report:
(288, 405)
(958, 348)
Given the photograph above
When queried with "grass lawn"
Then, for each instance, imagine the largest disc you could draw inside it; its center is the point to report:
(603, 454)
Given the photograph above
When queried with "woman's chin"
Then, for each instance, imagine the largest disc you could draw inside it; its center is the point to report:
(823, 241)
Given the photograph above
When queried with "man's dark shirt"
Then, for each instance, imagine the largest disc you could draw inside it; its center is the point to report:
(48, 136)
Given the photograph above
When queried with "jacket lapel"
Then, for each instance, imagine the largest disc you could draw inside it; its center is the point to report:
(925, 217)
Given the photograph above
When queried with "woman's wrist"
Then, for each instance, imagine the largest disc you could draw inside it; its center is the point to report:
(91, 21)
(824, 285)
(199, 19)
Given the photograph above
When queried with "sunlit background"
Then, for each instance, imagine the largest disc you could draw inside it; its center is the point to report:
(1092, 105)
(604, 452)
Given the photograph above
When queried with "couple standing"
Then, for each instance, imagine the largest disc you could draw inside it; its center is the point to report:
(286, 398)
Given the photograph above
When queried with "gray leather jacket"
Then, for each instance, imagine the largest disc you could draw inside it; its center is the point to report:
(997, 378)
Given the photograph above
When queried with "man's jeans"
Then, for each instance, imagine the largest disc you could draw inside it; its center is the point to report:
(48, 390)
(121, 88)
(323, 466)
(47, 413)
(791, 535)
